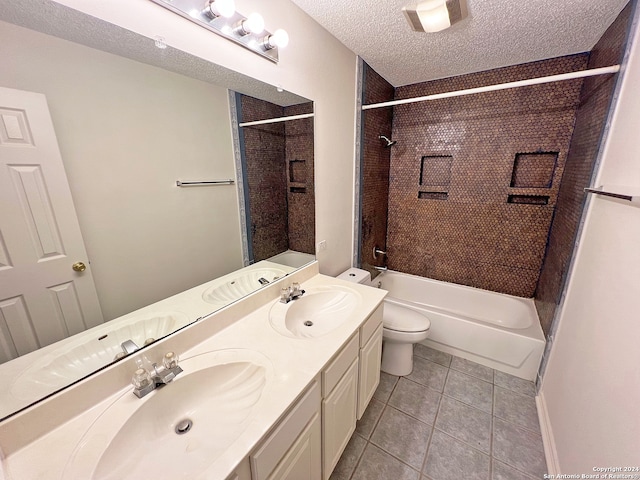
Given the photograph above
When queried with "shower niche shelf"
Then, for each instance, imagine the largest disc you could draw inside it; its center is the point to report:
(529, 199)
(433, 195)
(435, 177)
(297, 178)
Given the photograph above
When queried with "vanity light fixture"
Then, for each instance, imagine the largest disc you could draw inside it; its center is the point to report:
(278, 39)
(219, 8)
(220, 17)
(254, 23)
(435, 15)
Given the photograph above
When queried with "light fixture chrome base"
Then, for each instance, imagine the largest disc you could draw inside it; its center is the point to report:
(193, 10)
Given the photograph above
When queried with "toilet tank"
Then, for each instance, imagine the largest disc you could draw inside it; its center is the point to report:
(356, 275)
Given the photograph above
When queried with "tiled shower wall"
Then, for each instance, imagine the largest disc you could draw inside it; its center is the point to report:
(590, 119)
(300, 180)
(279, 174)
(474, 179)
(375, 167)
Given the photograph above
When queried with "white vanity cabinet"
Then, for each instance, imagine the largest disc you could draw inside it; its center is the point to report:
(370, 359)
(308, 443)
(339, 404)
(242, 471)
(293, 451)
(348, 384)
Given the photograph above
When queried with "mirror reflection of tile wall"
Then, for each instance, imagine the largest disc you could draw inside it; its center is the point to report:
(278, 158)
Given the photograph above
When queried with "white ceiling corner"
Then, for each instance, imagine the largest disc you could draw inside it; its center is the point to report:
(496, 33)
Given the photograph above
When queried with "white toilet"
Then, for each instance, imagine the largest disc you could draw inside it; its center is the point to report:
(402, 328)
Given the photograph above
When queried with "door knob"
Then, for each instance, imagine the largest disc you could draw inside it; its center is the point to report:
(79, 267)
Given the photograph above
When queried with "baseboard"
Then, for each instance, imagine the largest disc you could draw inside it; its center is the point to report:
(550, 453)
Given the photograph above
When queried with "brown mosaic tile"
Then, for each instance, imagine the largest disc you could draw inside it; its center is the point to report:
(375, 168)
(534, 170)
(436, 171)
(595, 99)
(300, 194)
(281, 218)
(474, 235)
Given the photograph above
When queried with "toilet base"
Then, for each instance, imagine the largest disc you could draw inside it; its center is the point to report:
(397, 358)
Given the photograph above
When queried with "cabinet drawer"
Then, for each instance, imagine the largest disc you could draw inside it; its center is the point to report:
(268, 455)
(370, 325)
(333, 373)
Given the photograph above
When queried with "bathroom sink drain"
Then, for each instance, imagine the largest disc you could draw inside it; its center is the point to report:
(308, 323)
(184, 426)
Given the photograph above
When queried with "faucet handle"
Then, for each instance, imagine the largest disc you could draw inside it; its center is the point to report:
(170, 360)
(284, 294)
(296, 291)
(141, 379)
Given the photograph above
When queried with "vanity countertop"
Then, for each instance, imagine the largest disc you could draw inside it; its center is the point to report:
(293, 362)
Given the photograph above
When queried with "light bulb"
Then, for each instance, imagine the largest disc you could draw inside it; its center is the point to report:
(220, 8)
(279, 39)
(253, 24)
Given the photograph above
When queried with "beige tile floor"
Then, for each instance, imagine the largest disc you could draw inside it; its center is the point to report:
(451, 419)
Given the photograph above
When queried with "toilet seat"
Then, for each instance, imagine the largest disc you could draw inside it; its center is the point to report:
(403, 319)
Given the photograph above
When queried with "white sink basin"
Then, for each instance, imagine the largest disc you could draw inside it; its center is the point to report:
(92, 350)
(316, 313)
(136, 438)
(244, 284)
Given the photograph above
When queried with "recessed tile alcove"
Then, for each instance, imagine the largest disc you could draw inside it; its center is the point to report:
(534, 170)
(436, 170)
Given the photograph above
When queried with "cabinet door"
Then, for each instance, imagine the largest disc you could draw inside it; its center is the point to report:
(242, 471)
(339, 418)
(370, 358)
(303, 461)
(278, 444)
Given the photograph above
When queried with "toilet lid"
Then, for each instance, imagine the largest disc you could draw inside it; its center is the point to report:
(403, 319)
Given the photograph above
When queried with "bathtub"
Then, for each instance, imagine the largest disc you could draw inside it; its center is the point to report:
(292, 258)
(500, 331)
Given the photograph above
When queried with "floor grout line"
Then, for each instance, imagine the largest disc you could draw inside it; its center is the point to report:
(433, 429)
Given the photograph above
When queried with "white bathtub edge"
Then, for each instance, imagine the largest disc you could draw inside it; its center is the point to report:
(527, 371)
(548, 442)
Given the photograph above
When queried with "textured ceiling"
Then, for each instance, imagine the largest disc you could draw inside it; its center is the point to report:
(60, 21)
(496, 33)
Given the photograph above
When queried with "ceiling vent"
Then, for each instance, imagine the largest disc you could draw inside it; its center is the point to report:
(435, 15)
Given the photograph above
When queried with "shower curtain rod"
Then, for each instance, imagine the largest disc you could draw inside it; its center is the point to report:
(500, 86)
(275, 120)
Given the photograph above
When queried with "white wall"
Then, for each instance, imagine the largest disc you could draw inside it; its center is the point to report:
(315, 65)
(127, 131)
(591, 388)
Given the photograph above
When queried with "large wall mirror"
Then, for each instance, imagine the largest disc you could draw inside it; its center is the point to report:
(129, 120)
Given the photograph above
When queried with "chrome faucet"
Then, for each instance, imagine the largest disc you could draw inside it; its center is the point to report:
(381, 269)
(291, 293)
(145, 380)
(129, 346)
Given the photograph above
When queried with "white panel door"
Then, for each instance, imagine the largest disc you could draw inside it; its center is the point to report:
(42, 299)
